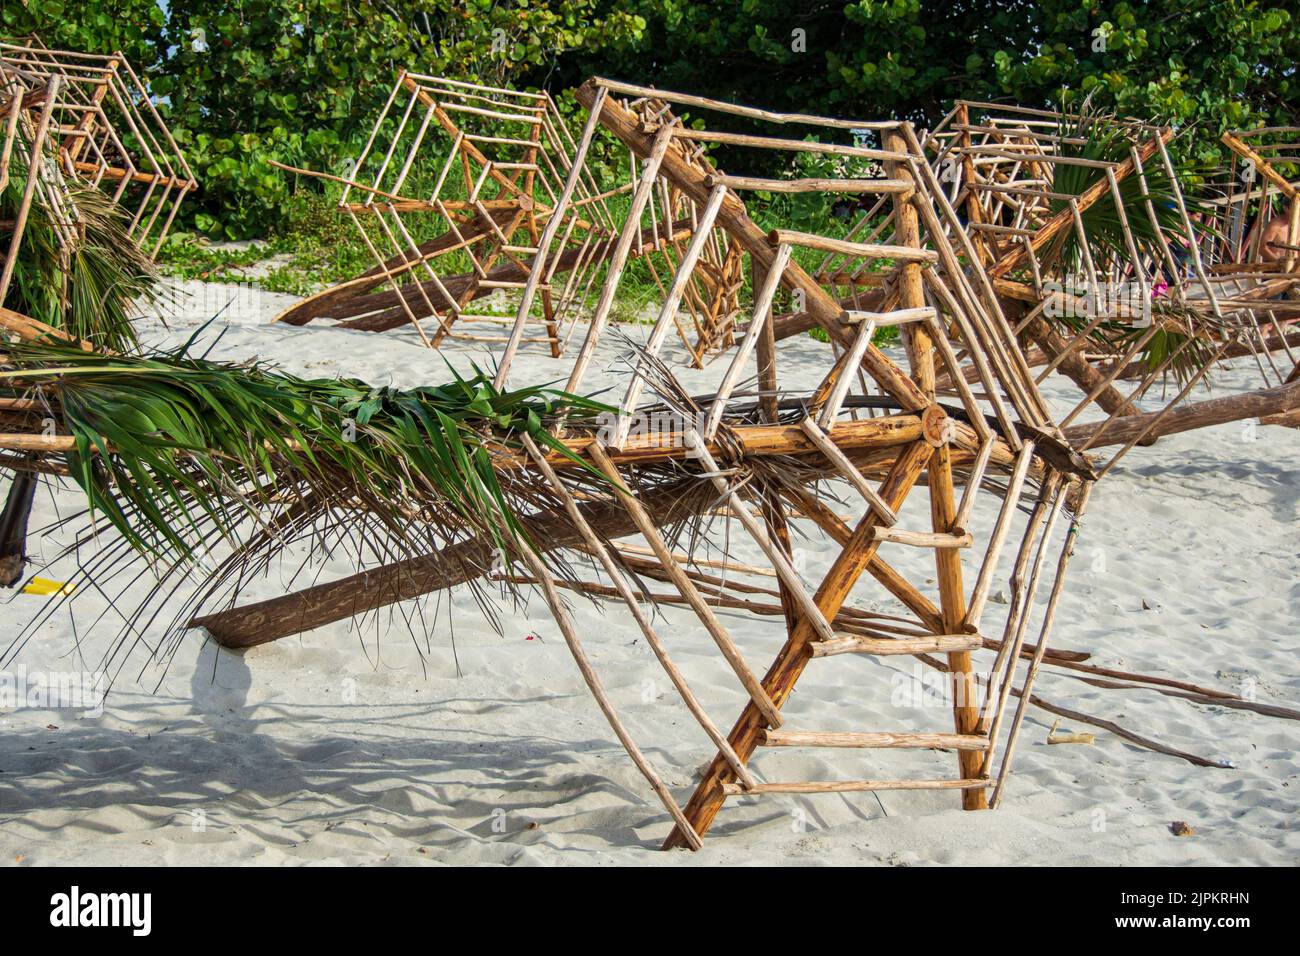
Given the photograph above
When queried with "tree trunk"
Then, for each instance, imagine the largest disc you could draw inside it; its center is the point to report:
(13, 528)
(1265, 403)
(266, 621)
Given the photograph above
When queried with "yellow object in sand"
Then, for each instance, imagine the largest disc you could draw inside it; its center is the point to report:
(47, 588)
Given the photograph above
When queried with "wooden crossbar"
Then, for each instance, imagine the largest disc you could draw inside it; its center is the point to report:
(885, 319)
(924, 539)
(862, 250)
(743, 183)
(846, 468)
(857, 644)
(873, 741)
(853, 786)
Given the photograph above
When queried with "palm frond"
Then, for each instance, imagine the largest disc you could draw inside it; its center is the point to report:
(1108, 141)
(1155, 223)
(89, 287)
(166, 442)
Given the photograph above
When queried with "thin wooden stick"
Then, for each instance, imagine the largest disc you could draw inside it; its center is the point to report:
(771, 713)
(667, 311)
(1016, 640)
(973, 481)
(744, 183)
(767, 116)
(617, 261)
(854, 786)
(561, 614)
(883, 741)
(924, 539)
(850, 471)
(851, 361)
(544, 243)
(29, 188)
(762, 314)
(601, 551)
(984, 581)
(1067, 552)
(857, 644)
(784, 570)
(861, 250)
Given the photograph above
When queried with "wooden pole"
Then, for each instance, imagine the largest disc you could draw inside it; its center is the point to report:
(269, 620)
(1279, 400)
(668, 311)
(631, 228)
(600, 549)
(34, 161)
(762, 315)
(943, 503)
(548, 236)
(767, 377)
(1067, 552)
(565, 623)
(649, 530)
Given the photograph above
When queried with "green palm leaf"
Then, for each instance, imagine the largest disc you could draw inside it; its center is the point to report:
(166, 443)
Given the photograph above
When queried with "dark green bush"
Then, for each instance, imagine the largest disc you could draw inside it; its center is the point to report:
(298, 81)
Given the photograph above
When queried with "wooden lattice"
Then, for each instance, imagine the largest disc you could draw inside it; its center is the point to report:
(102, 129)
(873, 429)
(943, 446)
(514, 146)
(1139, 295)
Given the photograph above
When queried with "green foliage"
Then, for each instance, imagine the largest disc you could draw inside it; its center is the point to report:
(1103, 222)
(1217, 64)
(134, 27)
(299, 81)
(176, 450)
(188, 257)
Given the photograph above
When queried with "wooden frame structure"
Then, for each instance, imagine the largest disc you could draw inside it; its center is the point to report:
(26, 112)
(954, 472)
(510, 162)
(1247, 207)
(103, 130)
(516, 147)
(873, 428)
(1256, 227)
(1154, 297)
(944, 448)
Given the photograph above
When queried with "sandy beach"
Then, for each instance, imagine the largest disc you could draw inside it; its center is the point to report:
(445, 742)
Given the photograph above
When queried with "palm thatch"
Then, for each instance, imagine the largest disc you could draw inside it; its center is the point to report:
(75, 269)
(207, 470)
(90, 288)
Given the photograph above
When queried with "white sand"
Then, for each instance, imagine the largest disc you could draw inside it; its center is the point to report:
(345, 747)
